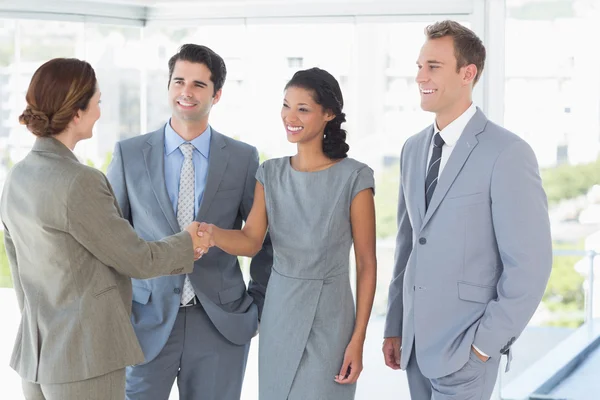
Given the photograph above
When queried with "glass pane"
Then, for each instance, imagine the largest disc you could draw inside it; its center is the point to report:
(552, 100)
(117, 55)
(278, 52)
(7, 56)
(7, 42)
(40, 41)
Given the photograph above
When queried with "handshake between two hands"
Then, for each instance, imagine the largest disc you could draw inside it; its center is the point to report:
(202, 238)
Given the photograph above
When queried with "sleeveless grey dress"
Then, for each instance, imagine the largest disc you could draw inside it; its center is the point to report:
(309, 312)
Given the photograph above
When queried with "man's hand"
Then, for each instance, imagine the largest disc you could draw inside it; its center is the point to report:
(391, 352)
(200, 240)
(478, 354)
(206, 230)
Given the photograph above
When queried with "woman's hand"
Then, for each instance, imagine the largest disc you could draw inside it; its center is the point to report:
(205, 231)
(352, 365)
(201, 240)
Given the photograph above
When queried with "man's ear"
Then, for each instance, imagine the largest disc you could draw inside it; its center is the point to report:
(469, 74)
(217, 96)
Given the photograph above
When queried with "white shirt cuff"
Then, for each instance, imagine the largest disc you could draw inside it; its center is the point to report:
(480, 352)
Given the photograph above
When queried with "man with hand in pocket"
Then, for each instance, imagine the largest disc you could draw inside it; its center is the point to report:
(473, 251)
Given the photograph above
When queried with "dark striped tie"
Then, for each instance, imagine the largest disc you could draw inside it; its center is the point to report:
(434, 167)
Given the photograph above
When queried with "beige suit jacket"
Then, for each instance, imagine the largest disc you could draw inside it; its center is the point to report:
(71, 255)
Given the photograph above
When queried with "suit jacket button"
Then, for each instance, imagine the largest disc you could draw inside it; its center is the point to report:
(177, 290)
(422, 240)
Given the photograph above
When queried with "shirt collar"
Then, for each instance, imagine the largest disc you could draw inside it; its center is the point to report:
(173, 141)
(452, 132)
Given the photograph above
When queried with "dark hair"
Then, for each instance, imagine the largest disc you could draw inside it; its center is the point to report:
(202, 55)
(327, 93)
(468, 48)
(58, 90)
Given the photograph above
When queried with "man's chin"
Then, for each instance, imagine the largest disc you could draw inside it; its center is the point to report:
(428, 107)
(187, 117)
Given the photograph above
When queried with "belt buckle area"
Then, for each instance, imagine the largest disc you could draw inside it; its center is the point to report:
(192, 302)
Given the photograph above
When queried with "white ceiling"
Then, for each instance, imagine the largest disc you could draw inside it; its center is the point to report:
(143, 12)
(145, 3)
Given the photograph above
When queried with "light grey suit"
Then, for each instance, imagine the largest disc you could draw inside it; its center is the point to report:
(205, 345)
(472, 269)
(70, 254)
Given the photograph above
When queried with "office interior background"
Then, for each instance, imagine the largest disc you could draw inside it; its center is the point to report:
(541, 80)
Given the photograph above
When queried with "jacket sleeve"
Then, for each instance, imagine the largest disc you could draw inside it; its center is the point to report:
(522, 229)
(393, 321)
(95, 221)
(11, 254)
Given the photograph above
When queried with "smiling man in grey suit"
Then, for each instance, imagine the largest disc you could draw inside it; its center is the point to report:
(196, 327)
(473, 252)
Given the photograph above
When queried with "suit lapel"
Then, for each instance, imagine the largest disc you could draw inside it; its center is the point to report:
(154, 158)
(217, 164)
(463, 148)
(423, 153)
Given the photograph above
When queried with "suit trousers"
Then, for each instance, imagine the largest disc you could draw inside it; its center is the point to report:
(105, 387)
(207, 366)
(474, 381)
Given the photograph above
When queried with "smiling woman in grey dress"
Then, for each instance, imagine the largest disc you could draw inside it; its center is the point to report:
(315, 204)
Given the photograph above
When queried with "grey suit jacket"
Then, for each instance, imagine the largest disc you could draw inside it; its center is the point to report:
(137, 175)
(70, 254)
(473, 268)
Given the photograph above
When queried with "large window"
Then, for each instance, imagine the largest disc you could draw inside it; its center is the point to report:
(373, 61)
(552, 100)
(114, 52)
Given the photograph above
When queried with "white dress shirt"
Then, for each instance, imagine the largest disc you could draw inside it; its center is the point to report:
(451, 134)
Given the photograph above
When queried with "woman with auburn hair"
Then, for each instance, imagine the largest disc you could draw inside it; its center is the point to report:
(71, 253)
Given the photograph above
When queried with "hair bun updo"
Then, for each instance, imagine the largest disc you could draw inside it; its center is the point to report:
(328, 94)
(36, 121)
(334, 142)
(58, 90)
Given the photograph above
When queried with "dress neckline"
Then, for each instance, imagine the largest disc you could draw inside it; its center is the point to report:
(289, 163)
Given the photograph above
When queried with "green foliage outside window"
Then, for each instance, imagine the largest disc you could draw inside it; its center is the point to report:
(569, 181)
(564, 296)
(5, 279)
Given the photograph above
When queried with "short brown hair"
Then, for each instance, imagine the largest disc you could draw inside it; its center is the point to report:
(196, 53)
(468, 48)
(58, 90)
